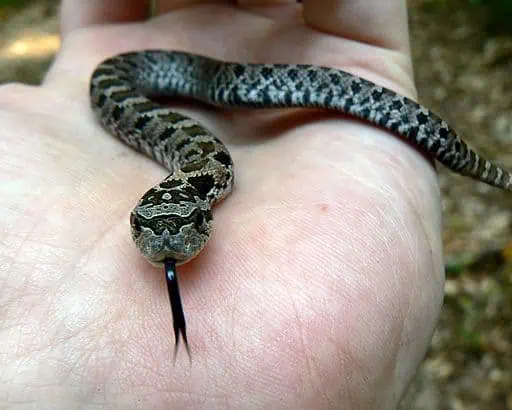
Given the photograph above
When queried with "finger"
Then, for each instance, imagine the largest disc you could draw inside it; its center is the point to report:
(76, 14)
(282, 9)
(164, 6)
(266, 2)
(377, 22)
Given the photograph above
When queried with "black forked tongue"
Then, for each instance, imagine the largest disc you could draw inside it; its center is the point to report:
(178, 317)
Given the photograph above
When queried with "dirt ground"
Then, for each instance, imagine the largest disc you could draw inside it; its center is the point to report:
(463, 73)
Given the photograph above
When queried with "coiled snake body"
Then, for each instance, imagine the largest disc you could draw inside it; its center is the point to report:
(172, 221)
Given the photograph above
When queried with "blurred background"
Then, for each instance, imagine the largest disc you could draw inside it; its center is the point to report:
(462, 51)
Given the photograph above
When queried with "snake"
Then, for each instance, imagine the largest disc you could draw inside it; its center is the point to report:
(172, 221)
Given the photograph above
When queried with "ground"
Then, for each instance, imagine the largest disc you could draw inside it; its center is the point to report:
(463, 73)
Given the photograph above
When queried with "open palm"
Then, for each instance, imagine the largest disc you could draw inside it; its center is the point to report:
(323, 279)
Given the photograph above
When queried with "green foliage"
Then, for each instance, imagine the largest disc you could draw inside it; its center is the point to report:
(12, 3)
(500, 5)
(500, 12)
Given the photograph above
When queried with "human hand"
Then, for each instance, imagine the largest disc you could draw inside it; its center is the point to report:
(323, 280)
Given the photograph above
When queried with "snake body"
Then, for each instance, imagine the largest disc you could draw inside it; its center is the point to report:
(172, 221)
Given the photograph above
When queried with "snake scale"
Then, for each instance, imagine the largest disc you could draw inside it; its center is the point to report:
(172, 221)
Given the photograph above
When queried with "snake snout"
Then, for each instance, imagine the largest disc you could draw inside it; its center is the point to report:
(178, 238)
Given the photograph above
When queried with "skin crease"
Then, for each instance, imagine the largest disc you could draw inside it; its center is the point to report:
(323, 280)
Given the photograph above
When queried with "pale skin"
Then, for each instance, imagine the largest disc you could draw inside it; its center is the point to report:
(323, 280)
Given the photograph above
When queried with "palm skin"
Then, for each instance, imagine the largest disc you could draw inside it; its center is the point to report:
(319, 288)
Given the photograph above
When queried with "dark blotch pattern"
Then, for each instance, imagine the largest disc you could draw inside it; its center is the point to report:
(224, 158)
(422, 118)
(203, 184)
(194, 167)
(142, 121)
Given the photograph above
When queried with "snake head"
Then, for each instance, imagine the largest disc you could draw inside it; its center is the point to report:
(171, 223)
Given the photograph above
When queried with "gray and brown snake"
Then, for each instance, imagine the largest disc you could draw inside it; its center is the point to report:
(172, 221)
